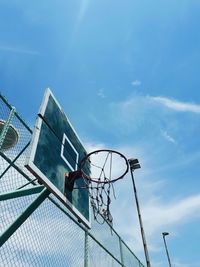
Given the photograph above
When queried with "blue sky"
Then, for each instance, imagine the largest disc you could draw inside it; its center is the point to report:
(127, 75)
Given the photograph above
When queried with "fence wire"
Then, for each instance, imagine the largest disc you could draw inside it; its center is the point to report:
(51, 236)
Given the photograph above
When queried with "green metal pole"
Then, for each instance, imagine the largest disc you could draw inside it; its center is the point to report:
(121, 252)
(15, 166)
(22, 218)
(21, 192)
(24, 185)
(13, 161)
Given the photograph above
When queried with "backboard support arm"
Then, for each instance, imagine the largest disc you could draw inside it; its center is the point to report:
(24, 216)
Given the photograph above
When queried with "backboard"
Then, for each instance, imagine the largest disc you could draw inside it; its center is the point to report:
(55, 150)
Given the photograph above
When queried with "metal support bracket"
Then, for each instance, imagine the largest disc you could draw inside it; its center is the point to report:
(22, 218)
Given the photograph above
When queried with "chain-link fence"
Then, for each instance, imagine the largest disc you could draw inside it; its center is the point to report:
(35, 228)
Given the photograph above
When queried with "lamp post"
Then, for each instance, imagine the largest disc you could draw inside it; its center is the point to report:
(134, 164)
(164, 234)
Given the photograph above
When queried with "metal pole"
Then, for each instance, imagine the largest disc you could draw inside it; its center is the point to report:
(164, 234)
(140, 221)
(86, 249)
(121, 252)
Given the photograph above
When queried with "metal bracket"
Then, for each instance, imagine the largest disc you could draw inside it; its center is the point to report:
(24, 216)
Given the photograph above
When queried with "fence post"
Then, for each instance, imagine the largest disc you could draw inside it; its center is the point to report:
(121, 252)
(86, 249)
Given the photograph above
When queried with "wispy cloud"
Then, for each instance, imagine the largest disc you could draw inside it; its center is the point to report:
(177, 105)
(83, 9)
(101, 93)
(157, 215)
(168, 137)
(18, 50)
(170, 214)
(136, 83)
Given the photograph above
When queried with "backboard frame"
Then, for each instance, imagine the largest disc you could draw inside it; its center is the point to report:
(39, 174)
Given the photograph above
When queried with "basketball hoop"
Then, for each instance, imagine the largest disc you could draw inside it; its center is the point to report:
(103, 160)
(100, 179)
(11, 137)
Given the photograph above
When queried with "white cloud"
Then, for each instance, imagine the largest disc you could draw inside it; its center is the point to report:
(157, 215)
(170, 214)
(93, 146)
(136, 83)
(101, 93)
(176, 105)
(82, 11)
(168, 137)
(130, 115)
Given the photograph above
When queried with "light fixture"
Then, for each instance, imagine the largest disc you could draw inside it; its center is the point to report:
(165, 233)
(134, 164)
(11, 137)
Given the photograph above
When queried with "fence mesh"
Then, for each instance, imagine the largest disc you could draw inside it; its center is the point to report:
(50, 236)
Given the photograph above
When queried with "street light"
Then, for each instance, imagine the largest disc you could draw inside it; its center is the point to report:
(164, 234)
(134, 164)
